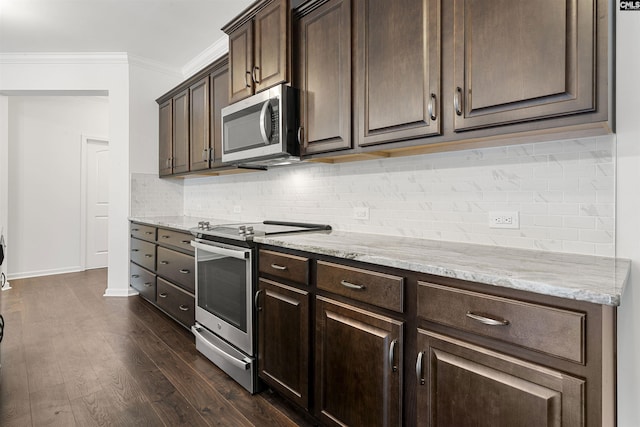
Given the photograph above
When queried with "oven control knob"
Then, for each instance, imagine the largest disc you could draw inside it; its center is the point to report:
(242, 229)
(250, 230)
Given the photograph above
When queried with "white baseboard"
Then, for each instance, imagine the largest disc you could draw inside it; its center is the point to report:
(29, 274)
(129, 292)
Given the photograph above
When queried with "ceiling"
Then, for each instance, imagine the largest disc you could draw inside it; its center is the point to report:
(168, 32)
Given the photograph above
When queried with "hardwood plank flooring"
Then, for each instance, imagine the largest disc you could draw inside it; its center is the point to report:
(72, 357)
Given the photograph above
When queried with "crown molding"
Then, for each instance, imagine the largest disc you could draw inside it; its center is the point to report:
(216, 50)
(64, 58)
(152, 65)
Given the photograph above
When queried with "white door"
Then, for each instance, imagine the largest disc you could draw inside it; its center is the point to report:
(97, 198)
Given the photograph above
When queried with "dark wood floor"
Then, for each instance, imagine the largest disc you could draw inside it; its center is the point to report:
(71, 357)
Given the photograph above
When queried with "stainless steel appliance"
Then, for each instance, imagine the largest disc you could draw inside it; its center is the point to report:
(226, 276)
(261, 130)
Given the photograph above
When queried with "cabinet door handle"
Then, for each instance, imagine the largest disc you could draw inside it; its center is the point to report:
(183, 307)
(254, 76)
(278, 267)
(487, 320)
(457, 101)
(147, 284)
(162, 295)
(184, 271)
(148, 256)
(135, 276)
(205, 155)
(300, 135)
(352, 286)
(419, 373)
(186, 242)
(246, 82)
(392, 356)
(432, 107)
(256, 300)
(164, 262)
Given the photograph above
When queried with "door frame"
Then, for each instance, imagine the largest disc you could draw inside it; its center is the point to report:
(84, 142)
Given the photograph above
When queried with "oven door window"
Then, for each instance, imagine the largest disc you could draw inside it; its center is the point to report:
(222, 288)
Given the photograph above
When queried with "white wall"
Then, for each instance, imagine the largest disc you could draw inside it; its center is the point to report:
(4, 173)
(628, 213)
(88, 73)
(45, 180)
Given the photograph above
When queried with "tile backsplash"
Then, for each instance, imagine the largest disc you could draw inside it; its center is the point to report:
(564, 192)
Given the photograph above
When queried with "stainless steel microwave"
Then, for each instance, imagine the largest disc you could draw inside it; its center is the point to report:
(260, 130)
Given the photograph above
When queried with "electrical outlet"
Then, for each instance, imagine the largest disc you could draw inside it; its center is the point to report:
(504, 220)
(237, 209)
(361, 212)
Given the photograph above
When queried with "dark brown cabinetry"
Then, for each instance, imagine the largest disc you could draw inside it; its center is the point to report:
(180, 154)
(358, 366)
(162, 269)
(462, 384)
(165, 138)
(517, 61)
(199, 135)
(397, 69)
(323, 75)
(220, 99)
(258, 48)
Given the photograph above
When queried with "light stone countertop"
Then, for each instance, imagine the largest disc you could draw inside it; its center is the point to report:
(179, 222)
(600, 280)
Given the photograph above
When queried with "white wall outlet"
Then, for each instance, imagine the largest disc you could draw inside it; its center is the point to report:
(237, 209)
(361, 212)
(504, 219)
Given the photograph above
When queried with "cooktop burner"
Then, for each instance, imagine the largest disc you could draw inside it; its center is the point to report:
(247, 231)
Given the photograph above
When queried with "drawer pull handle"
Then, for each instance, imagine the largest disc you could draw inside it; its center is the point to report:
(148, 232)
(147, 284)
(351, 285)
(135, 229)
(164, 262)
(148, 256)
(186, 242)
(392, 356)
(419, 368)
(162, 295)
(166, 237)
(279, 267)
(135, 276)
(183, 307)
(184, 271)
(135, 250)
(484, 319)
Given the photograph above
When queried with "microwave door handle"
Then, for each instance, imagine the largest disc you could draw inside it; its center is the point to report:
(220, 251)
(265, 122)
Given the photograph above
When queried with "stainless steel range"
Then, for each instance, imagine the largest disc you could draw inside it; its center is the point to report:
(226, 277)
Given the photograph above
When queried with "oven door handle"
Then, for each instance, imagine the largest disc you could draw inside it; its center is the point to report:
(220, 251)
(235, 362)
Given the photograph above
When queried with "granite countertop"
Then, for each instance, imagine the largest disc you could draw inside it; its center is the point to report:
(179, 222)
(600, 280)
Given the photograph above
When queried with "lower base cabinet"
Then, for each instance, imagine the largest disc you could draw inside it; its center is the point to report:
(460, 384)
(176, 302)
(358, 366)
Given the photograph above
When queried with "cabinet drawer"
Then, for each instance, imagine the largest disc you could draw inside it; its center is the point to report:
(143, 281)
(176, 302)
(144, 232)
(143, 253)
(177, 267)
(549, 330)
(175, 238)
(382, 290)
(285, 266)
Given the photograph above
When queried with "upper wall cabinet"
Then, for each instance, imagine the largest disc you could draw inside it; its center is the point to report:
(166, 137)
(199, 141)
(258, 48)
(397, 69)
(323, 75)
(180, 159)
(519, 60)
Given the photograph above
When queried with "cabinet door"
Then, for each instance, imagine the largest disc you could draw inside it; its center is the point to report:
(166, 138)
(220, 97)
(397, 69)
(241, 62)
(270, 49)
(181, 132)
(199, 125)
(517, 60)
(358, 366)
(324, 77)
(460, 384)
(283, 340)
